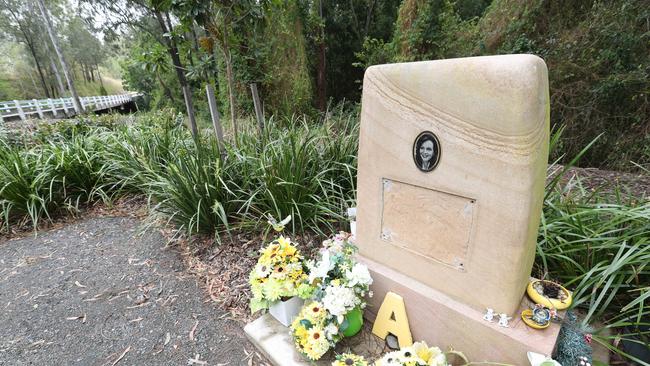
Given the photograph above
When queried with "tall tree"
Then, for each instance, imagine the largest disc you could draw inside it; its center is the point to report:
(152, 17)
(55, 43)
(55, 69)
(18, 21)
(166, 25)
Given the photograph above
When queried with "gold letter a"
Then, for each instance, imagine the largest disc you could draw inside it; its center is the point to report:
(392, 318)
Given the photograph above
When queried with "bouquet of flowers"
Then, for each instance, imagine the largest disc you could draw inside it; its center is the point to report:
(418, 354)
(339, 286)
(279, 273)
(314, 331)
(340, 282)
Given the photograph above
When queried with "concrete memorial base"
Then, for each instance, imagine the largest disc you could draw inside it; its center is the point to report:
(441, 321)
(274, 341)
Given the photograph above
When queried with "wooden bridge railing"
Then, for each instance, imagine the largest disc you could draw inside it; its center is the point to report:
(24, 108)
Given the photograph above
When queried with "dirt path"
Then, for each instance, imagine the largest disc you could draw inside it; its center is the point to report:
(98, 293)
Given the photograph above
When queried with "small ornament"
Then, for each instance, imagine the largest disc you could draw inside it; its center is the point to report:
(503, 320)
(539, 317)
(489, 315)
(588, 338)
(278, 226)
(584, 361)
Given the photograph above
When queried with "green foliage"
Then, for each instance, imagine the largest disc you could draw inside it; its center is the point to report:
(597, 54)
(596, 51)
(287, 84)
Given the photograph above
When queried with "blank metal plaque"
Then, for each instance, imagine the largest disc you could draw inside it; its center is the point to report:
(429, 223)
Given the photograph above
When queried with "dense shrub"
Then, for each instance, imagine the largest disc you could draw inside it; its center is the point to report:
(597, 52)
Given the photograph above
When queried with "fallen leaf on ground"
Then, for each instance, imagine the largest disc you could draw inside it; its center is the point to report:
(121, 356)
(193, 329)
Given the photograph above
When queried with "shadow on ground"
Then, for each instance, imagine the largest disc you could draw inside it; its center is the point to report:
(98, 292)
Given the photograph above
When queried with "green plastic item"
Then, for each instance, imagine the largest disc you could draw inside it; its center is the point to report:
(352, 323)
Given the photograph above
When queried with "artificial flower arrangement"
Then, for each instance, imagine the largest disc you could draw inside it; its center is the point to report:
(349, 359)
(280, 273)
(418, 354)
(340, 285)
(340, 282)
(315, 331)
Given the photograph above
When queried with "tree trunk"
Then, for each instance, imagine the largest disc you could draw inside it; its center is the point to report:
(231, 81)
(257, 104)
(178, 67)
(64, 65)
(371, 7)
(99, 76)
(59, 83)
(214, 112)
(321, 81)
(38, 68)
(31, 77)
(191, 51)
(166, 89)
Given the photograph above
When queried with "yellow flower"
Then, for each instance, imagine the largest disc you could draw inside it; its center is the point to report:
(315, 312)
(349, 359)
(318, 344)
(284, 241)
(422, 351)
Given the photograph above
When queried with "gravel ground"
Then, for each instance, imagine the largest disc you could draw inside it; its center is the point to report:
(99, 292)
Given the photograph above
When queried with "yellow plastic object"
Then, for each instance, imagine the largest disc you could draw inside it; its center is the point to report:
(527, 316)
(391, 318)
(549, 303)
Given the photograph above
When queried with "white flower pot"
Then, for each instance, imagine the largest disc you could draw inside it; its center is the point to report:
(353, 228)
(285, 311)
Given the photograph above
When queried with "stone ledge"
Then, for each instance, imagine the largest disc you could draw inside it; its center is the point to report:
(274, 341)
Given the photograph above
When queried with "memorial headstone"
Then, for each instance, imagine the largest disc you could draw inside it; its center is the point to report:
(452, 165)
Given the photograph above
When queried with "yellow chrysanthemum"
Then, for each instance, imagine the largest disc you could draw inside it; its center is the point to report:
(284, 242)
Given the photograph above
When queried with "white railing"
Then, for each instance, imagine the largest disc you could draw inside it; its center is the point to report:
(53, 107)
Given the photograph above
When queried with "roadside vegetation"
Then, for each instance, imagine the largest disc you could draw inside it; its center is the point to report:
(306, 59)
(598, 245)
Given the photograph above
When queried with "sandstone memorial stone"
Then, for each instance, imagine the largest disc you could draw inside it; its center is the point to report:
(450, 184)
(452, 164)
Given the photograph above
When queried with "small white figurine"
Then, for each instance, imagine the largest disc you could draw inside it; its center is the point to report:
(584, 361)
(503, 320)
(489, 315)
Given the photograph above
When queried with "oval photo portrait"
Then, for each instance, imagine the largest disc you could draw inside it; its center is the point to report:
(426, 151)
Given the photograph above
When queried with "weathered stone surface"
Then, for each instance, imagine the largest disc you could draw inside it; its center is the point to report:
(468, 227)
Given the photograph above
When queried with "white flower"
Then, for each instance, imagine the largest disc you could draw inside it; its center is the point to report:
(262, 270)
(338, 300)
(392, 359)
(321, 268)
(294, 267)
(331, 330)
(358, 276)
